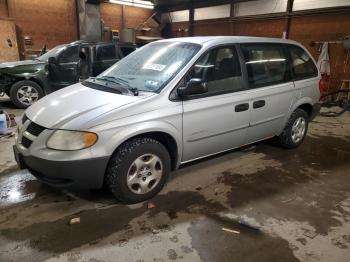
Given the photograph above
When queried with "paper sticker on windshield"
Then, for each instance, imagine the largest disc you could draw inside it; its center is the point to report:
(155, 67)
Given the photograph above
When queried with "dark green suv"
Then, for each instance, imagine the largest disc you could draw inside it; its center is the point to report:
(27, 81)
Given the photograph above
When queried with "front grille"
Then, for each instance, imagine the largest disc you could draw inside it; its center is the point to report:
(26, 142)
(35, 129)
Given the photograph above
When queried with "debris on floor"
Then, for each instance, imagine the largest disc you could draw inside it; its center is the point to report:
(310, 234)
(230, 230)
(151, 205)
(247, 225)
(74, 221)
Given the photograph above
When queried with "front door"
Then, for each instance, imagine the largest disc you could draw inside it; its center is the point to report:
(106, 56)
(271, 89)
(65, 72)
(218, 120)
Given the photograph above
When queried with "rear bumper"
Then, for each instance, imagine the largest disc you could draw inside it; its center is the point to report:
(78, 174)
(315, 111)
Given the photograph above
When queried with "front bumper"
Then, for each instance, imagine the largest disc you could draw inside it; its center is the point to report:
(77, 174)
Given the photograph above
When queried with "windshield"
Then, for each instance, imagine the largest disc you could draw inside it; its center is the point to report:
(52, 52)
(150, 68)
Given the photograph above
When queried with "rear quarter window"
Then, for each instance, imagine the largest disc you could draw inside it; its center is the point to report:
(301, 63)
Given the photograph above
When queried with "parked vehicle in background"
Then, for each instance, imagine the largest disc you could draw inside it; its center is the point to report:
(27, 81)
(168, 103)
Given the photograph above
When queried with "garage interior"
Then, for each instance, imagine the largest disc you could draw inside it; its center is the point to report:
(255, 203)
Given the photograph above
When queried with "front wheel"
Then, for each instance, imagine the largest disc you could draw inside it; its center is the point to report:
(24, 93)
(295, 129)
(138, 170)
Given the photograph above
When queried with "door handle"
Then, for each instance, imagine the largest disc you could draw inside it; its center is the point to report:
(242, 107)
(258, 104)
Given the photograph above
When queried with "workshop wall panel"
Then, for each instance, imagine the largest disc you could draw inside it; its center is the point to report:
(260, 7)
(180, 16)
(214, 12)
(315, 4)
(8, 42)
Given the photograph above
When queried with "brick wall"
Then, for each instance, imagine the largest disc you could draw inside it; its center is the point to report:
(133, 16)
(47, 22)
(325, 28)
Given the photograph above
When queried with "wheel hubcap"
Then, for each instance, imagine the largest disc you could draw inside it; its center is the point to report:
(144, 174)
(27, 95)
(298, 129)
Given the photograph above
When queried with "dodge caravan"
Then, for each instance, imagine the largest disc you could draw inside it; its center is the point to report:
(168, 103)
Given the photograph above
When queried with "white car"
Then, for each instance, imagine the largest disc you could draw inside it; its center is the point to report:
(168, 103)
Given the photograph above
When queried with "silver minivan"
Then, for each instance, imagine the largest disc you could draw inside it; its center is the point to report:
(168, 103)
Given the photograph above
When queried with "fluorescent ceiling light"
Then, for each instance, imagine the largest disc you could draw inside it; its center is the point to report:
(135, 3)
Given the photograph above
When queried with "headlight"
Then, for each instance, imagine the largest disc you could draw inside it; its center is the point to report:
(71, 140)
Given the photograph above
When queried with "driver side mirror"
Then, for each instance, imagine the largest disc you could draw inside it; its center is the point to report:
(52, 60)
(194, 87)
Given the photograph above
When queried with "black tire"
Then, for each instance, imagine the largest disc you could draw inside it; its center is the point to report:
(285, 139)
(17, 86)
(122, 159)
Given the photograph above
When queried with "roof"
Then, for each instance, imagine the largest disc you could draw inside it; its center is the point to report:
(208, 40)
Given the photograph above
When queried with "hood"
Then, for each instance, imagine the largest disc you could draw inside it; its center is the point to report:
(74, 106)
(20, 63)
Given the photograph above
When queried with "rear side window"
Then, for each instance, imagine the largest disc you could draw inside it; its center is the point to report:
(220, 70)
(266, 64)
(106, 52)
(302, 64)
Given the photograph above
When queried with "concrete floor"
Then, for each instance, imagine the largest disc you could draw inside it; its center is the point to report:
(299, 199)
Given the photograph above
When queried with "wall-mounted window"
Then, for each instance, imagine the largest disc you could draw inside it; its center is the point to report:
(261, 7)
(315, 4)
(213, 12)
(180, 16)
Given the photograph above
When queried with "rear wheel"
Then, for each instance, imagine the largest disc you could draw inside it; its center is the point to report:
(295, 129)
(24, 93)
(138, 170)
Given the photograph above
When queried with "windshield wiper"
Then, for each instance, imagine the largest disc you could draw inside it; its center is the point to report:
(120, 81)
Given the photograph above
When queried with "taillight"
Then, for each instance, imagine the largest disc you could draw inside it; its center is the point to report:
(321, 86)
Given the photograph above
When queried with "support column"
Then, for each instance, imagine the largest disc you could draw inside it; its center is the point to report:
(289, 16)
(90, 27)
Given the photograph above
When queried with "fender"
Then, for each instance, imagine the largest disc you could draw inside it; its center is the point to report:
(120, 135)
(302, 101)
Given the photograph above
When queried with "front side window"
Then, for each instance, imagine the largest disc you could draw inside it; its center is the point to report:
(266, 64)
(106, 52)
(151, 67)
(69, 55)
(219, 69)
(302, 64)
(52, 53)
